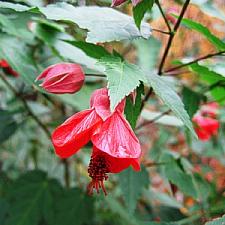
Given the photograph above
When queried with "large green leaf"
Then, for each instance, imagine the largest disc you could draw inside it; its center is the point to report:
(219, 44)
(132, 184)
(171, 99)
(74, 207)
(16, 7)
(122, 77)
(140, 9)
(212, 78)
(19, 57)
(177, 176)
(218, 221)
(104, 24)
(33, 197)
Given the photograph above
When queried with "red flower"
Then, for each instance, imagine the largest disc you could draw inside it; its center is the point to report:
(62, 78)
(115, 144)
(205, 127)
(210, 109)
(119, 2)
(7, 68)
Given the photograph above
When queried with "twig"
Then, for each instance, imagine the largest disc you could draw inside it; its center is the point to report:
(194, 61)
(152, 121)
(161, 31)
(169, 43)
(163, 15)
(26, 106)
(170, 40)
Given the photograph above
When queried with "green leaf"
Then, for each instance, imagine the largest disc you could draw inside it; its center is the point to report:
(32, 196)
(171, 99)
(4, 209)
(217, 221)
(132, 110)
(92, 50)
(73, 208)
(140, 9)
(16, 53)
(191, 101)
(132, 184)
(174, 173)
(212, 78)
(122, 77)
(16, 7)
(104, 24)
(17, 26)
(219, 44)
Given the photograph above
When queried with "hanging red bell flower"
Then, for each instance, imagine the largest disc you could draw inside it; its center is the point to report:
(62, 78)
(115, 145)
(210, 109)
(205, 127)
(7, 68)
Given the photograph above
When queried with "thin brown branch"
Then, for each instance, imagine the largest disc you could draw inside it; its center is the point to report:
(163, 15)
(170, 40)
(95, 75)
(195, 61)
(152, 121)
(26, 106)
(161, 31)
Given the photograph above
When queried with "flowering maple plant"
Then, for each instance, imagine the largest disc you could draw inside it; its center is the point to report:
(7, 68)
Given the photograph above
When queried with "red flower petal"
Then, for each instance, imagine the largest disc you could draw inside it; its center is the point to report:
(100, 101)
(117, 165)
(75, 132)
(117, 139)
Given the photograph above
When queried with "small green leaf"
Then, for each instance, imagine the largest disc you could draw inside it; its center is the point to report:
(219, 44)
(132, 110)
(122, 77)
(171, 99)
(212, 78)
(132, 184)
(191, 101)
(140, 9)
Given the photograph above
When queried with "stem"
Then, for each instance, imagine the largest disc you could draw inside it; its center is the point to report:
(66, 172)
(26, 106)
(160, 31)
(194, 61)
(95, 75)
(163, 15)
(153, 120)
(169, 43)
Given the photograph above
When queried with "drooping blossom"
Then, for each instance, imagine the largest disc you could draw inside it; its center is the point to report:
(205, 127)
(7, 68)
(62, 78)
(115, 146)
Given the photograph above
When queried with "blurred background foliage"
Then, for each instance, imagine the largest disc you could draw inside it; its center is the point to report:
(182, 179)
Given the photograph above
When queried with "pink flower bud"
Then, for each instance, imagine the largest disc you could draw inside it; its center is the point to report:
(62, 78)
(117, 2)
(170, 11)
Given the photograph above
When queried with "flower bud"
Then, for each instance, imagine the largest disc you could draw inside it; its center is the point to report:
(62, 78)
(117, 2)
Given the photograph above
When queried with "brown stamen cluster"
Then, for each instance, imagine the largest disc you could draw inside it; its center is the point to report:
(98, 169)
